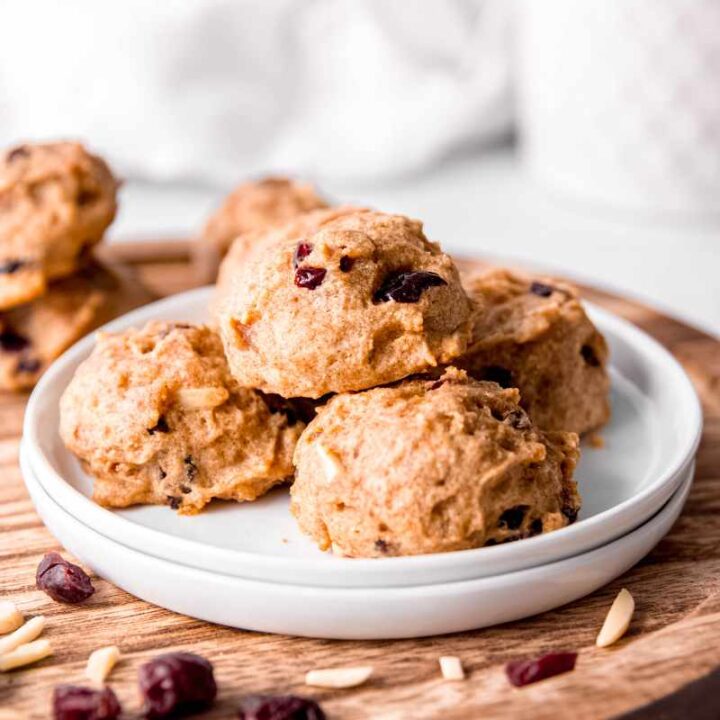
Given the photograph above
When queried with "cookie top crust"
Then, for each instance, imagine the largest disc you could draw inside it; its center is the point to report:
(364, 299)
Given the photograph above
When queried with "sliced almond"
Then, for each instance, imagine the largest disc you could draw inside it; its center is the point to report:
(25, 654)
(10, 617)
(24, 634)
(617, 620)
(451, 668)
(204, 398)
(101, 662)
(339, 677)
(330, 461)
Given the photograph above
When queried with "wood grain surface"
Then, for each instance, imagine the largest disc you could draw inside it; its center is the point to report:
(674, 638)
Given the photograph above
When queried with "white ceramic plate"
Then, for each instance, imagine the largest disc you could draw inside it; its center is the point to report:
(649, 444)
(352, 613)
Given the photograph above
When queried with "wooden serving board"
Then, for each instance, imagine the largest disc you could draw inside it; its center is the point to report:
(674, 638)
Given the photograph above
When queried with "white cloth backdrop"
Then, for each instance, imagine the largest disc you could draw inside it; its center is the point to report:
(219, 89)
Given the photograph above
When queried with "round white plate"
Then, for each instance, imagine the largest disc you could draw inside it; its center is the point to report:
(351, 613)
(649, 444)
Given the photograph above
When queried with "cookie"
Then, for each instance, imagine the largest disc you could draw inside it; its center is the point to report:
(533, 334)
(56, 200)
(430, 466)
(364, 300)
(256, 206)
(246, 246)
(34, 334)
(156, 417)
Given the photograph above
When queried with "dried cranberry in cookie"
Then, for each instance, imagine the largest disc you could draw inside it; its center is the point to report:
(534, 334)
(345, 302)
(156, 417)
(56, 199)
(429, 466)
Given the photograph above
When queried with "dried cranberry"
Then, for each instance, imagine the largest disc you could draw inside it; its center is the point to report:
(176, 683)
(589, 356)
(191, 470)
(28, 365)
(17, 153)
(513, 518)
(279, 707)
(346, 263)
(541, 289)
(72, 702)
(12, 341)
(570, 513)
(160, 426)
(524, 672)
(301, 252)
(174, 502)
(518, 419)
(536, 527)
(309, 277)
(381, 546)
(62, 580)
(11, 266)
(497, 374)
(406, 286)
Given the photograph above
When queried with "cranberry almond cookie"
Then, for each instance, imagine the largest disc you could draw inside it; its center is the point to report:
(256, 206)
(56, 200)
(156, 417)
(364, 299)
(533, 334)
(34, 334)
(430, 466)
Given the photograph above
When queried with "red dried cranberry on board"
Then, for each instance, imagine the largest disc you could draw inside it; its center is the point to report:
(525, 672)
(72, 702)
(63, 581)
(279, 707)
(176, 683)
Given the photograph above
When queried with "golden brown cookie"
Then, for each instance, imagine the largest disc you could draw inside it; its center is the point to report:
(364, 300)
(430, 466)
(56, 199)
(257, 206)
(533, 334)
(34, 334)
(156, 417)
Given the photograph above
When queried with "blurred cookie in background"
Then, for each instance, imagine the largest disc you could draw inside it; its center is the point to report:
(32, 335)
(56, 200)
(252, 207)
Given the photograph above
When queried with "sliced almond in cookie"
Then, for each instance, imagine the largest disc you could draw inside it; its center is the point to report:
(451, 668)
(24, 634)
(339, 677)
(101, 662)
(10, 617)
(617, 620)
(203, 398)
(330, 461)
(25, 654)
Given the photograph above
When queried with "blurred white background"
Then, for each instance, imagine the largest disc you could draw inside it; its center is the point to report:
(411, 105)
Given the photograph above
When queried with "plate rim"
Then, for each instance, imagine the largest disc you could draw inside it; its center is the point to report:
(649, 534)
(255, 565)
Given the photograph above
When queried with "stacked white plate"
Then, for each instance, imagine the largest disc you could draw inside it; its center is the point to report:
(247, 565)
